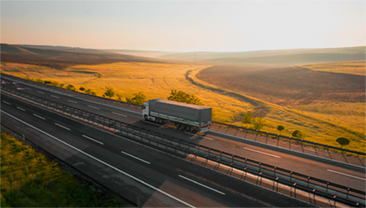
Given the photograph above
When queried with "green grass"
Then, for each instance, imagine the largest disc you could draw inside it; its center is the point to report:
(30, 179)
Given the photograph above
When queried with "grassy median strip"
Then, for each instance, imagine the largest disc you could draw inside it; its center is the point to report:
(30, 179)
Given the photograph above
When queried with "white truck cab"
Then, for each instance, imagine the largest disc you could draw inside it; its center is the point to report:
(145, 111)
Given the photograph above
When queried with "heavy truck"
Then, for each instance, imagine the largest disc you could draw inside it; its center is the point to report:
(184, 116)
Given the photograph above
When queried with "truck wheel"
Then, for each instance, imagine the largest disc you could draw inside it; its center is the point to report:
(177, 125)
(145, 117)
(186, 128)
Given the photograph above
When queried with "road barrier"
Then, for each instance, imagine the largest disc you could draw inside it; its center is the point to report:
(298, 181)
(229, 126)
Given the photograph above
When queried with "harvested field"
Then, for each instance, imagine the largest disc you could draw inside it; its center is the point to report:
(289, 86)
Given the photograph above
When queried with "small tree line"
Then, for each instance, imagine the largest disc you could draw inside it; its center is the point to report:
(258, 123)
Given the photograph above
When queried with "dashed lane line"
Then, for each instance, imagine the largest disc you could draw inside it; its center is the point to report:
(135, 157)
(265, 153)
(90, 106)
(39, 116)
(124, 173)
(62, 126)
(333, 171)
(212, 189)
(119, 114)
(21, 109)
(93, 139)
(6, 102)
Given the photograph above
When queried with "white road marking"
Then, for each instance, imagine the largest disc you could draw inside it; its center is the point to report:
(119, 114)
(93, 107)
(40, 92)
(346, 174)
(133, 177)
(261, 152)
(21, 109)
(39, 116)
(54, 96)
(62, 126)
(72, 101)
(202, 185)
(93, 139)
(199, 136)
(136, 157)
(6, 102)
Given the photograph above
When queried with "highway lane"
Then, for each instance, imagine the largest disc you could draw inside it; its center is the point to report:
(327, 170)
(192, 183)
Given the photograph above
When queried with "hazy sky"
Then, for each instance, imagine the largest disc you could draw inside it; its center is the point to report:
(185, 25)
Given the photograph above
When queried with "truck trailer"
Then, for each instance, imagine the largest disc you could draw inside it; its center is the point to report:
(184, 116)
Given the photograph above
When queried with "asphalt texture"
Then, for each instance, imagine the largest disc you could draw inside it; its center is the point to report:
(331, 170)
(141, 174)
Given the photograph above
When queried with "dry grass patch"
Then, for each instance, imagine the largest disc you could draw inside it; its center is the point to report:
(358, 68)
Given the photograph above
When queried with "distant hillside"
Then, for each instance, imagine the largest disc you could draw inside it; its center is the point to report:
(5, 48)
(150, 54)
(291, 59)
(63, 58)
(67, 49)
(272, 58)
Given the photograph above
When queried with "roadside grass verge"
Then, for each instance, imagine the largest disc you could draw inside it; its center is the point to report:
(30, 179)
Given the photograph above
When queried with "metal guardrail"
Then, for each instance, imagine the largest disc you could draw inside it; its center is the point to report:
(181, 147)
(303, 142)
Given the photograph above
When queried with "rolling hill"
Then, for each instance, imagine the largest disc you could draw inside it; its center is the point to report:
(272, 58)
(63, 57)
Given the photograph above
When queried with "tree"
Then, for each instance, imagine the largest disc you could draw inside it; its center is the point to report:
(39, 80)
(89, 92)
(81, 88)
(109, 92)
(138, 99)
(119, 97)
(343, 141)
(183, 97)
(298, 134)
(55, 83)
(70, 87)
(258, 123)
(248, 118)
(280, 128)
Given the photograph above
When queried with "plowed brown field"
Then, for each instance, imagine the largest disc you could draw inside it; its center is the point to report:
(289, 86)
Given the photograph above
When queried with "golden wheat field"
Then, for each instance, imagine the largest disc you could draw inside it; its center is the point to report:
(322, 123)
(154, 80)
(358, 68)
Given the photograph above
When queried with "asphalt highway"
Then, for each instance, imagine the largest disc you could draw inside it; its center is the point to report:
(132, 169)
(333, 171)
